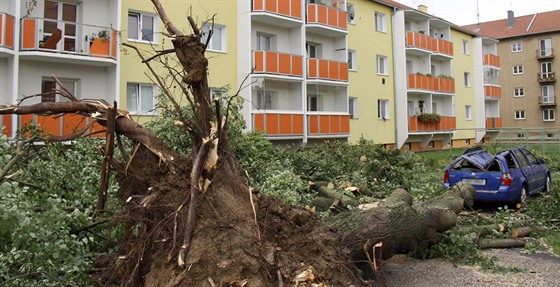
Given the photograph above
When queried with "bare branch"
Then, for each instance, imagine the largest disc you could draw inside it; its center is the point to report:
(160, 53)
(67, 93)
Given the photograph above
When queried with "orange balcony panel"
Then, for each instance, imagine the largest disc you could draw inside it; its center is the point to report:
(258, 122)
(29, 36)
(321, 14)
(25, 120)
(7, 124)
(437, 84)
(1, 28)
(492, 60)
(297, 65)
(334, 123)
(271, 5)
(100, 47)
(344, 71)
(258, 5)
(285, 124)
(272, 124)
(283, 7)
(50, 124)
(271, 62)
(72, 123)
(285, 64)
(312, 13)
(9, 41)
(345, 124)
(313, 124)
(332, 17)
(333, 70)
(324, 126)
(323, 69)
(412, 123)
(411, 81)
(296, 9)
(297, 124)
(342, 19)
(114, 44)
(258, 61)
(313, 64)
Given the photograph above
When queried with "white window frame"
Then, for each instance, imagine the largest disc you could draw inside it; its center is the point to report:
(546, 69)
(516, 47)
(518, 92)
(517, 69)
(466, 47)
(383, 111)
(69, 84)
(382, 65)
(138, 109)
(468, 112)
(547, 94)
(352, 60)
(219, 92)
(549, 115)
(380, 22)
(263, 40)
(353, 108)
(545, 47)
(519, 114)
(140, 36)
(467, 79)
(219, 31)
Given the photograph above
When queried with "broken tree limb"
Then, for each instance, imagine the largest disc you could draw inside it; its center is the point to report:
(481, 231)
(500, 243)
(108, 156)
(522, 231)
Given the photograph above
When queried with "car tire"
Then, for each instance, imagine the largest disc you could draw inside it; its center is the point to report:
(547, 184)
(522, 195)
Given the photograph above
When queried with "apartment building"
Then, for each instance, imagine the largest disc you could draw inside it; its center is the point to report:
(313, 70)
(527, 47)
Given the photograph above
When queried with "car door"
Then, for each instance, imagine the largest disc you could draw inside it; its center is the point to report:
(539, 170)
(526, 170)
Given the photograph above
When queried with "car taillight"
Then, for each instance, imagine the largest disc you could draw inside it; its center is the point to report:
(506, 179)
(446, 177)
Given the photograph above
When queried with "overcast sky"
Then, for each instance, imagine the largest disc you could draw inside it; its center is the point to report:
(463, 12)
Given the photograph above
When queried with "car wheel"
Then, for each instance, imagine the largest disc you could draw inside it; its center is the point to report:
(523, 195)
(547, 185)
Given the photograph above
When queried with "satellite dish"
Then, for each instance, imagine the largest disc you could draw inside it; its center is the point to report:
(351, 12)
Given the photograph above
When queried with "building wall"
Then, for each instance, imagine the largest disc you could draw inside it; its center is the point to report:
(463, 62)
(365, 84)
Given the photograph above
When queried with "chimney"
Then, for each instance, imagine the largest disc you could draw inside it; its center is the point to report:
(423, 8)
(511, 18)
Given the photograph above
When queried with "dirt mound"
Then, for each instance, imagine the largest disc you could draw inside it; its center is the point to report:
(282, 244)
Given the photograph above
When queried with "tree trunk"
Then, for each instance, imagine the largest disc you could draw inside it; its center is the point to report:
(500, 243)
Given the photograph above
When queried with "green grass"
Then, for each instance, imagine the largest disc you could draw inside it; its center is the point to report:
(552, 238)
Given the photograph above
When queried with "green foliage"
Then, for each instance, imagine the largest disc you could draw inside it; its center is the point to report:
(429, 118)
(53, 194)
(552, 238)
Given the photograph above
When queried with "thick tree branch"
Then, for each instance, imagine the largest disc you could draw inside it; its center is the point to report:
(165, 19)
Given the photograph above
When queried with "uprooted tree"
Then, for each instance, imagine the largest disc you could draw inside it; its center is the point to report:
(192, 221)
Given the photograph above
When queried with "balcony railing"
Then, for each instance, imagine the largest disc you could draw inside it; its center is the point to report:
(7, 30)
(492, 92)
(278, 124)
(441, 46)
(328, 124)
(68, 38)
(547, 101)
(289, 8)
(545, 53)
(435, 84)
(327, 70)
(328, 16)
(546, 77)
(444, 124)
(491, 60)
(493, 123)
(278, 63)
(418, 40)
(56, 125)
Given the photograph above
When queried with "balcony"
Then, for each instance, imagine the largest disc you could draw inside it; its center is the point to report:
(56, 125)
(328, 125)
(442, 48)
(278, 124)
(329, 21)
(492, 60)
(284, 13)
(547, 101)
(431, 84)
(327, 70)
(493, 123)
(6, 31)
(545, 53)
(419, 42)
(68, 38)
(444, 124)
(278, 63)
(546, 77)
(492, 92)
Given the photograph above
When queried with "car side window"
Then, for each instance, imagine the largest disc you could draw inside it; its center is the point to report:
(510, 162)
(531, 158)
(521, 158)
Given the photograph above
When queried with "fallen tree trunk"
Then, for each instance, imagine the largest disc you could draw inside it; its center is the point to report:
(521, 231)
(500, 243)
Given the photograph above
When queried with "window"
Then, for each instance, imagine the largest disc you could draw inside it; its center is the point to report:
(352, 60)
(353, 108)
(520, 115)
(468, 112)
(217, 39)
(546, 70)
(466, 47)
(383, 109)
(431, 144)
(547, 94)
(518, 69)
(350, 13)
(382, 65)
(380, 22)
(516, 47)
(468, 141)
(266, 99)
(520, 135)
(140, 98)
(467, 77)
(64, 16)
(141, 26)
(264, 42)
(221, 93)
(549, 135)
(545, 47)
(49, 87)
(518, 92)
(548, 115)
(313, 50)
(314, 103)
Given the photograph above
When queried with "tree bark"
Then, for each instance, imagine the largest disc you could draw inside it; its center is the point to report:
(500, 243)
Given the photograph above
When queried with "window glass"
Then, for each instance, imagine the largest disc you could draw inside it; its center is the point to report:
(131, 97)
(522, 161)
(530, 157)
(147, 28)
(133, 26)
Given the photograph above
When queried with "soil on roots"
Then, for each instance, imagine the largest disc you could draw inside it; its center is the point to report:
(229, 245)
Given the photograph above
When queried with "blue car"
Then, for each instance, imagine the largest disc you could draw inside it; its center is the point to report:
(508, 177)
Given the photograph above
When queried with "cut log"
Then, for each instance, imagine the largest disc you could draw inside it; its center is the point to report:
(398, 197)
(324, 191)
(523, 231)
(481, 231)
(500, 243)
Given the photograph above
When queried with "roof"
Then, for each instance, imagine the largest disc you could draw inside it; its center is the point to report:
(523, 26)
